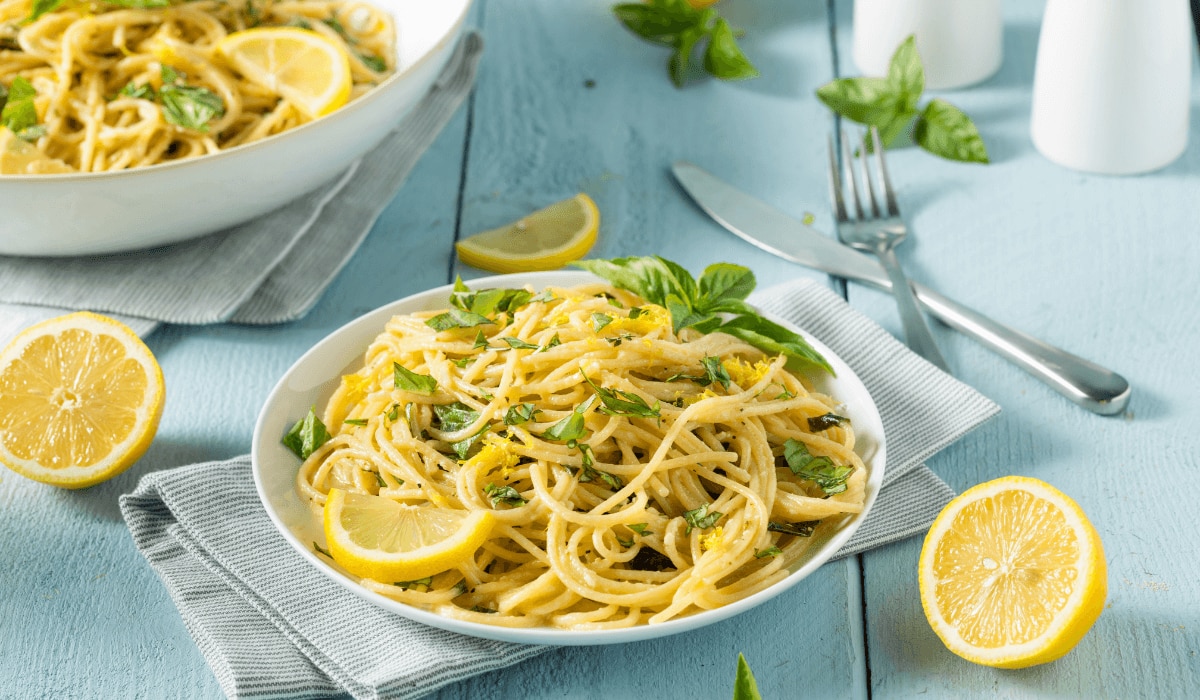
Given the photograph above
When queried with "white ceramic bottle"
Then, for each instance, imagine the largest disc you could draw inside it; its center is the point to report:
(960, 41)
(1111, 91)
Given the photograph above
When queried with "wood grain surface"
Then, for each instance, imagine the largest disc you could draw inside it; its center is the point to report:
(568, 101)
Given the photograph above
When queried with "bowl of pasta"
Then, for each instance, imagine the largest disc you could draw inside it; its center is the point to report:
(132, 125)
(619, 480)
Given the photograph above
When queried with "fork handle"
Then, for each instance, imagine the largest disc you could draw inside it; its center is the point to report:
(1085, 383)
(916, 330)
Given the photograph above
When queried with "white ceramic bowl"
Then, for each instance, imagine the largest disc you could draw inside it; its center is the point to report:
(313, 378)
(93, 213)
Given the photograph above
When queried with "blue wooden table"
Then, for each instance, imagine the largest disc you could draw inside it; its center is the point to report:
(567, 101)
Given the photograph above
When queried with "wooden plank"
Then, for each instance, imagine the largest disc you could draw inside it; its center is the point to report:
(1099, 265)
(540, 134)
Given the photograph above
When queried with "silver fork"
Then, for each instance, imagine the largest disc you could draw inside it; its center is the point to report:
(878, 230)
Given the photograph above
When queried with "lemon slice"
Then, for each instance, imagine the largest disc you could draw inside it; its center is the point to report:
(378, 538)
(1012, 574)
(303, 67)
(80, 399)
(547, 239)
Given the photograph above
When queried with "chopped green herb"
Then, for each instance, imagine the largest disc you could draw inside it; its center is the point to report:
(299, 22)
(801, 529)
(553, 343)
(518, 344)
(375, 63)
(308, 434)
(618, 339)
(407, 380)
(623, 542)
(544, 296)
(453, 417)
(636, 312)
(481, 609)
(714, 371)
(141, 92)
(616, 402)
(700, 518)
(379, 478)
(336, 25)
(355, 421)
(457, 318)
(488, 301)
(825, 422)
(480, 342)
(41, 7)
(19, 113)
(463, 447)
(185, 105)
(590, 473)
(426, 582)
(768, 552)
(640, 528)
(830, 477)
(507, 495)
(784, 395)
(394, 412)
(463, 362)
(599, 321)
(459, 588)
(570, 428)
(321, 550)
(521, 413)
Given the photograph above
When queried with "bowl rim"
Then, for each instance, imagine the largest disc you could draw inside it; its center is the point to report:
(373, 95)
(546, 635)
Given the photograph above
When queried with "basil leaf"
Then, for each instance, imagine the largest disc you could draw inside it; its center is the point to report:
(636, 312)
(554, 342)
(41, 7)
(19, 113)
(355, 421)
(830, 477)
(375, 63)
(599, 321)
(567, 429)
(463, 447)
(185, 105)
(658, 21)
(863, 100)
(825, 422)
(480, 342)
(640, 528)
(518, 344)
(457, 318)
(453, 417)
(650, 277)
(407, 380)
(773, 338)
(507, 495)
(721, 281)
(714, 371)
(771, 551)
(944, 130)
(426, 582)
(744, 685)
(308, 434)
(906, 74)
(801, 529)
(141, 92)
(700, 518)
(521, 413)
(321, 550)
(723, 58)
(625, 543)
(616, 402)
(685, 44)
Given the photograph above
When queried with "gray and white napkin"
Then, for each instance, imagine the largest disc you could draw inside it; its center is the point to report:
(269, 624)
(268, 270)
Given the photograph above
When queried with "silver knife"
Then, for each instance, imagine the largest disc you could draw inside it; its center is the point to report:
(1085, 383)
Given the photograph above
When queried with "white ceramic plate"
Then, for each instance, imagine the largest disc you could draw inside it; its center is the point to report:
(314, 377)
(92, 213)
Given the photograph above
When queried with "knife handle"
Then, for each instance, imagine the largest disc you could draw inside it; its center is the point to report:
(1087, 384)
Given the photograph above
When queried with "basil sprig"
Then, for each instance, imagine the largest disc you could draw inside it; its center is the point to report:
(891, 105)
(17, 111)
(675, 23)
(700, 304)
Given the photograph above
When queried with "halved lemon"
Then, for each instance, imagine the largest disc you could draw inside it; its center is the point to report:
(301, 66)
(80, 400)
(378, 538)
(1012, 574)
(547, 239)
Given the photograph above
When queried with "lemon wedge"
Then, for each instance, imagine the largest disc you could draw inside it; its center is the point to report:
(547, 239)
(1012, 574)
(303, 67)
(375, 537)
(80, 400)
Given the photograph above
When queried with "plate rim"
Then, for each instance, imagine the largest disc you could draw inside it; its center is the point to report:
(546, 635)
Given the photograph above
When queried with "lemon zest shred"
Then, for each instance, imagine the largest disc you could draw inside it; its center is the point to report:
(712, 540)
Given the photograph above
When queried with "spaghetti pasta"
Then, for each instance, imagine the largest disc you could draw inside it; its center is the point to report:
(97, 67)
(635, 475)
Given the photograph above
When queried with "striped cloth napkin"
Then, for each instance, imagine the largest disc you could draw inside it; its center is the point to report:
(269, 270)
(269, 624)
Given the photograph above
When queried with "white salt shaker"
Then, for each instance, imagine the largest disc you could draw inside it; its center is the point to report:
(960, 41)
(1112, 86)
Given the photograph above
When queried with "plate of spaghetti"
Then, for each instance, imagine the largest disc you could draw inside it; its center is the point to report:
(128, 124)
(624, 475)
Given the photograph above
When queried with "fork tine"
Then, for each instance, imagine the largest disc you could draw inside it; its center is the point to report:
(889, 194)
(835, 184)
(851, 180)
(866, 176)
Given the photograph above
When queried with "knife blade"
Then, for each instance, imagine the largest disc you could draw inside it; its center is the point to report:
(1089, 385)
